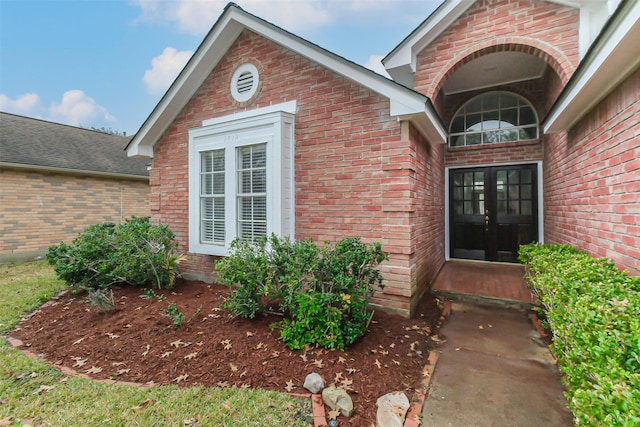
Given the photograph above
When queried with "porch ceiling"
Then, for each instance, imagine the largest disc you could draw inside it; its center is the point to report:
(494, 69)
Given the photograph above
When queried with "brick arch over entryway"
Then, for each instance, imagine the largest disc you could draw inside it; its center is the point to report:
(556, 59)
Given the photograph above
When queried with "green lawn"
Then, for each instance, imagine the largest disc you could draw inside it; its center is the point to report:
(33, 393)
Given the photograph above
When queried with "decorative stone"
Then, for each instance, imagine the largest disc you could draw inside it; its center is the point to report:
(338, 400)
(392, 410)
(314, 383)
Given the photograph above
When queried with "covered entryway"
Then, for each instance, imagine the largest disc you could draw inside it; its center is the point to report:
(492, 211)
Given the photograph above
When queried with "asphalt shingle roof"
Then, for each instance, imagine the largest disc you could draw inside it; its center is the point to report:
(32, 142)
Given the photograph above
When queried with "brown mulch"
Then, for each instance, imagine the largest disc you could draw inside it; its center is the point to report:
(137, 342)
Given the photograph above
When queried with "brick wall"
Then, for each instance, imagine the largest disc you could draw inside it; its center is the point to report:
(39, 209)
(355, 173)
(546, 30)
(592, 180)
(487, 154)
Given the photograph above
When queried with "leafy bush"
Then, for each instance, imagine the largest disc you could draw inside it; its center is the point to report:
(135, 252)
(593, 311)
(324, 292)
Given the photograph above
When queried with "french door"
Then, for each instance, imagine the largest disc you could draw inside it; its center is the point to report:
(493, 210)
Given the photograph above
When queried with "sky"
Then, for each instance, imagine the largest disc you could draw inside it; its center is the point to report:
(107, 63)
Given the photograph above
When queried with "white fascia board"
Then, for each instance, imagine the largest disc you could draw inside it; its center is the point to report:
(406, 53)
(183, 88)
(613, 60)
(403, 101)
(424, 117)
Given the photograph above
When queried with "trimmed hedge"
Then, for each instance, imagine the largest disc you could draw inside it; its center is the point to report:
(593, 312)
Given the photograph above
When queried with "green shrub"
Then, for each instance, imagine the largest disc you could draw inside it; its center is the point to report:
(593, 312)
(323, 292)
(135, 252)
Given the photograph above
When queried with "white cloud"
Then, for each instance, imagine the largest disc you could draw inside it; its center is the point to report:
(76, 108)
(26, 105)
(164, 69)
(198, 16)
(375, 63)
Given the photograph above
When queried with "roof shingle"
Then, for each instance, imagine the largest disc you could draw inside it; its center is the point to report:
(32, 142)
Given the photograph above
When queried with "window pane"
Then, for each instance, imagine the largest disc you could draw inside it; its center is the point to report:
(503, 116)
(490, 101)
(252, 188)
(491, 120)
(508, 100)
(474, 106)
(457, 125)
(509, 116)
(456, 140)
(259, 181)
(212, 196)
(474, 122)
(527, 117)
(473, 139)
(502, 207)
(514, 176)
(514, 192)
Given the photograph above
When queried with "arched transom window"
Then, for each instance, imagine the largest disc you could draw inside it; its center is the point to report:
(493, 117)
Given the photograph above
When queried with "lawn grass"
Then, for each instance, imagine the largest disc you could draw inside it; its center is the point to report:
(31, 392)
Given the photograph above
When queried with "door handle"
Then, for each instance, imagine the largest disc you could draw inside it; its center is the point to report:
(486, 221)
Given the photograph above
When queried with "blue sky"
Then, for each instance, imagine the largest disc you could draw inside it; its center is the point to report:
(106, 63)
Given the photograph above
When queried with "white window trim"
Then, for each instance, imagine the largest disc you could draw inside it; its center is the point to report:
(273, 125)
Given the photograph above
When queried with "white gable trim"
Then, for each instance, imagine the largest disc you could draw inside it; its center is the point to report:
(215, 46)
(612, 59)
(401, 62)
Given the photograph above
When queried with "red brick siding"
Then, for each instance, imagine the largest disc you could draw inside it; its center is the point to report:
(592, 180)
(511, 152)
(546, 30)
(38, 209)
(354, 172)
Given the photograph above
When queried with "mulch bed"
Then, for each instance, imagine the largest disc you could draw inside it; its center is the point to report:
(137, 342)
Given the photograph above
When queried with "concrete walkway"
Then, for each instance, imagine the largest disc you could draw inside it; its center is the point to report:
(493, 370)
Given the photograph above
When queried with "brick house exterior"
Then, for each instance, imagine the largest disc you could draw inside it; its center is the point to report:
(56, 180)
(351, 153)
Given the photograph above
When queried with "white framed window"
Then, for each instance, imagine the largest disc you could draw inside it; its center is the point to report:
(241, 178)
(493, 117)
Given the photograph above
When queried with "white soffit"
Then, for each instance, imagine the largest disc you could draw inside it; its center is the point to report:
(494, 69)
(613, 57)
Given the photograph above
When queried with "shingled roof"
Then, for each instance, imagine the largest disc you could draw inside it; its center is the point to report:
(37, 144)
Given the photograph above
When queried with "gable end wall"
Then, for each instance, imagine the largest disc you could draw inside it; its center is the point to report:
(354, 172)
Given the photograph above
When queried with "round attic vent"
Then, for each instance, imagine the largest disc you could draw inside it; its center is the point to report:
(244, 82)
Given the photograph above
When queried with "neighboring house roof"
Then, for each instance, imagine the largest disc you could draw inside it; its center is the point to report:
(406, 104)
(37, 144)
(611, 59)
(400, 63)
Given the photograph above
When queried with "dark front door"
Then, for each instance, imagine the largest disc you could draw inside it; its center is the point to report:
(493, 210)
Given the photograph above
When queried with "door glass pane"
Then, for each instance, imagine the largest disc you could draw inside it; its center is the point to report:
(457, 208)
(457, 193)
(525, 191)
(468, 178)
(527, 207)
(502, 207)
(514, 192)
(525, 176)
(468, 208)
(514, 176)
